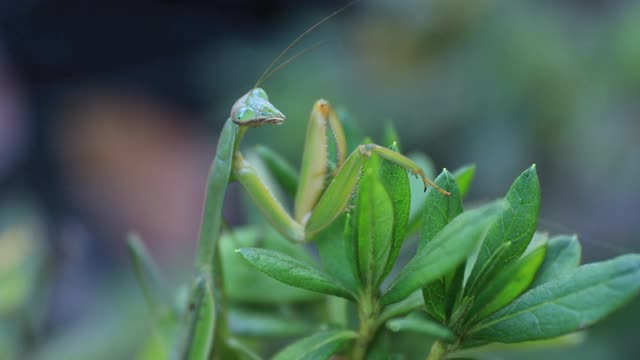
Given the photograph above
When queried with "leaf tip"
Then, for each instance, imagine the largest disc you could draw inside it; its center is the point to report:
(393, 326)
(242, 252)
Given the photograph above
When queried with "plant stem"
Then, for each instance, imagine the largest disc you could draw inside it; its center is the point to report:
(368, 309)
(362, 343)
(438, 351)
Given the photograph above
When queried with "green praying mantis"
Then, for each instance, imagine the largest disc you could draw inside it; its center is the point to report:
(315, 207)
(317, 202)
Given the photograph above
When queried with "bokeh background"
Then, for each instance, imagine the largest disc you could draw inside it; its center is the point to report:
(110, 110)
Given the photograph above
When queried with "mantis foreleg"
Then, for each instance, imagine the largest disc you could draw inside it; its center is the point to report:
(209, 267)
(266, 202)
(315, 162)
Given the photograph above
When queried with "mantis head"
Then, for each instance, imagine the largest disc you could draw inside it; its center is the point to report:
(254, 110)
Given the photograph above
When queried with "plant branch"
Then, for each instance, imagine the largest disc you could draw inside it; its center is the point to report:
(368, 309)
(438, 351)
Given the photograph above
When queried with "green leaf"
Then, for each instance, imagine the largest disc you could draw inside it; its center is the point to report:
(374, 221)
(488, 270)
(440, 210)
(464, 177)
(22, 258)
(391, 135)
(460, 312)
(149, 279)
(337, 310)
(472, 348)
(244, 322)
(417, 323)
(517, 225)
(319, 346)
(411, 303)
(337, 260)
(284, 174)
(563, 256)
(435, 298)
(566, 304)
(351, 245)
(242, 351)
(509, 284)
(264, 290)
(444, 252)
(293, 272)
(396, 182)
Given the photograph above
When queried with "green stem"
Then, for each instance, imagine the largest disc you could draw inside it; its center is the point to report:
(368, 309)
(438, 351)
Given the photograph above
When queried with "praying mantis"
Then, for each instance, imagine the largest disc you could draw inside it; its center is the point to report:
(315, 207)
(317, 203)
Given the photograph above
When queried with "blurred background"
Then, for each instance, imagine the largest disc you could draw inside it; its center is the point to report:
(110, 111)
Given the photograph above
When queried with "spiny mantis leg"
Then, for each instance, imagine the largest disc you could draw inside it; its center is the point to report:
(406, 163)
(338, 193)
(346, 180)
(314, 168)
(264, 199)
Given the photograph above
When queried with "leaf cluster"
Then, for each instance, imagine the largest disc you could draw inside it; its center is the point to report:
(470, 277)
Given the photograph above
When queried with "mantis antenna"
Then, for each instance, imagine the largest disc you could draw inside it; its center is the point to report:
(293, 57)
(268, 72)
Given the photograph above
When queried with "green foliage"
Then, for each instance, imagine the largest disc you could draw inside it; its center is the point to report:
(478, 276)
(567, 304)
(447, 250)
(515, 226)
(263, 290)
(416, 322)
(396, 182)
(563, 256)
(374, 227)
(438, 212)
(464, 178)
(319, 346)
(293, 272)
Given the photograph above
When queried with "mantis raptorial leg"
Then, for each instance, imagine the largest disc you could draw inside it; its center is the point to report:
(315, 206)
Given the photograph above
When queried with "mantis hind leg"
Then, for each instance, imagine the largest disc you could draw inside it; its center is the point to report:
(406, 163)
(338, 194)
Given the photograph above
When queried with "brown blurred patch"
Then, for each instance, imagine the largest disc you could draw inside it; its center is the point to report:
(131, 163)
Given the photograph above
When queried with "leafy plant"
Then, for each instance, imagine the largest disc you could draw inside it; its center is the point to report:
(474, 276)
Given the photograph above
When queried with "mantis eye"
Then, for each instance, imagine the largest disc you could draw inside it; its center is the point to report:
(266, 108)
(245, 114)
(260, 93)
